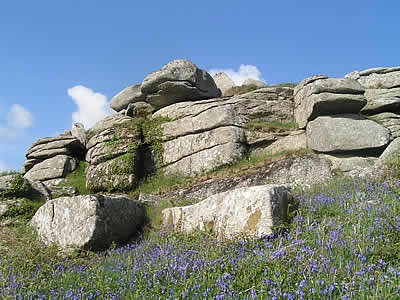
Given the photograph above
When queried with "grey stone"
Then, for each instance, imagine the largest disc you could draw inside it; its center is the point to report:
(111, 143)
(223, 81)
(378, 78)
(208, 159)
(325, 96)
(78, 131)
(295, 140)
(116, 174)
(394, 147)
(307, 81)
(382, 100)
(352, 166)
(108, 122)
(59, 187)
(131, 94)
(345, 133)
(253, 211)
(390, 121)
(302, 170)
(139, 109)
(208, 134)
(257, 83)
(54, 167)
(179, 80)
(90, 222)
(67, 145)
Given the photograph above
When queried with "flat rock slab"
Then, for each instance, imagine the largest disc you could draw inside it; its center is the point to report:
(253, 211)
(382, 100)
(318, 96)
(131, 94)
(89, 222)
(390, 121)
(54, 167)
(345, 133)
(377, 78)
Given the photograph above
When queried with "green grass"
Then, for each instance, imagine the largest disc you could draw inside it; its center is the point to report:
(77, 178)
(276, 126)
(343, 243)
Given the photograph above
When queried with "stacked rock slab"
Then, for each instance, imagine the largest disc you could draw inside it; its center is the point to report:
(253, 211)
(88, 222)
(179, 80)
(319, 95)
(207, 134)
(382, 91)
(112, 154)
(49, 160)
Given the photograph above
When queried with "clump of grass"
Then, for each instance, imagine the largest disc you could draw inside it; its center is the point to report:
(392, 164)
(275, 126)
(77, 178)
(160, 182)
(284, 84)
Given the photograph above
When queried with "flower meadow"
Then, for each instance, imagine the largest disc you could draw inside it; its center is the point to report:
(343, 243)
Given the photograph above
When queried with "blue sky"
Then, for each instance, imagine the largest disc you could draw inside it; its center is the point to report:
(61, 60)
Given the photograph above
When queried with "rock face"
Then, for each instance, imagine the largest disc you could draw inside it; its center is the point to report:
(382, 89)
(352, 166)
(301, 170)
(208, 134)
(112, 156)
(394, 147)
(223, 81)
(390, 121)
(345, 133)
(253, 211)
(131, 94)
(55, 167)
(179, 80)
(90, 222)
(319, 95)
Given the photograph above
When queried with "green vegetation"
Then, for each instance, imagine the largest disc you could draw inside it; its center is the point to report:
(276, 126)
(21, 210)
(343, 243)
(77, 178)
(18, 187)
(392, 170)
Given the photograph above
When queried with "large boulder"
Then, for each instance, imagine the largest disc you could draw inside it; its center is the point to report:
(90, 222)
(78, 131)
(223, 81)
(390, 121)
(55, 167)
(350, 165)
(253, 211)
(131, 94)
(382, 89)
(346, 132)
(319, 95)
(179, 80)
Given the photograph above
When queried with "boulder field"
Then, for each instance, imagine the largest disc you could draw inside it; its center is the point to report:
(176, 122)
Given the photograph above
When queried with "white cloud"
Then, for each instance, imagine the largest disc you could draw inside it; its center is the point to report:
(244, 72)
(19, 117)
(3, 167)
(92, 107)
